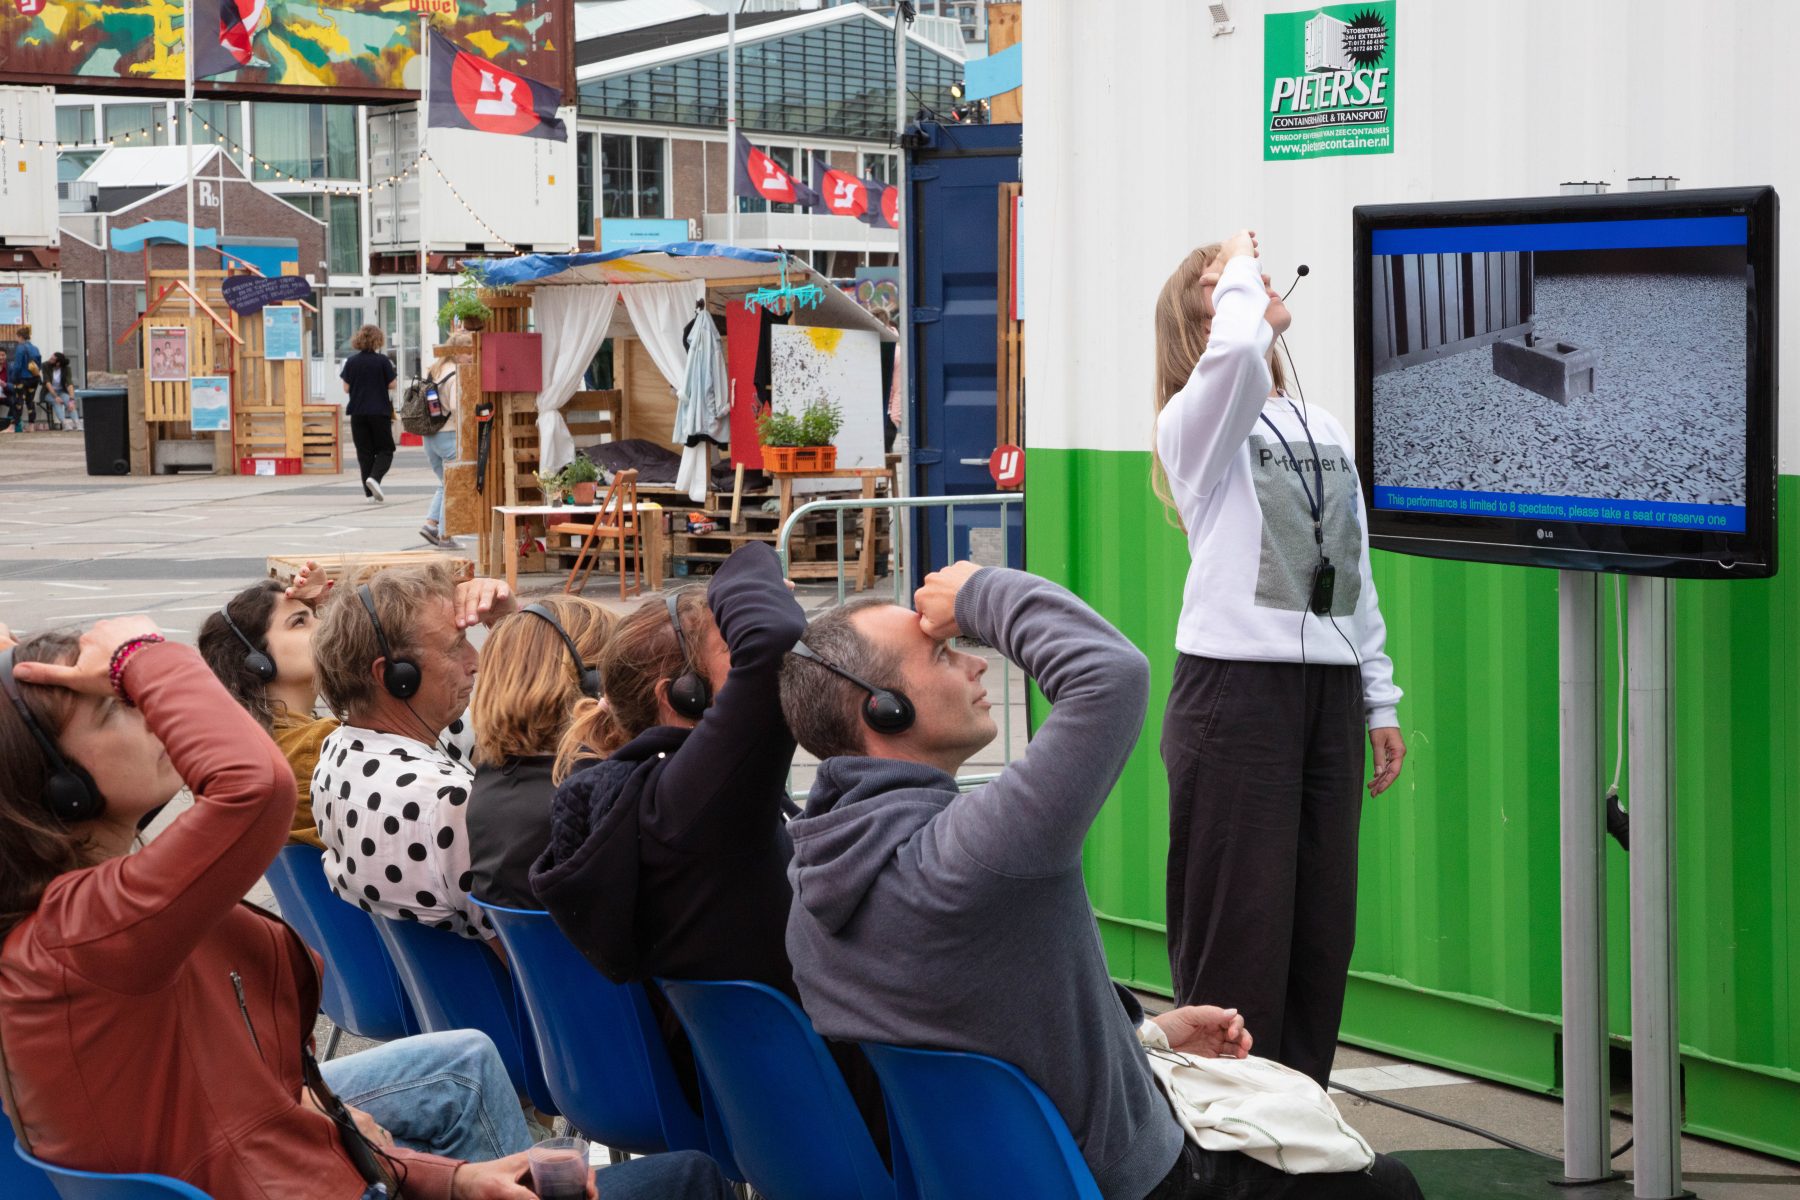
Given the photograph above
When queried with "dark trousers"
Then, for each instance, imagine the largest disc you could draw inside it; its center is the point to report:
(1225, 1175)
(1265, 764)
(374, 438)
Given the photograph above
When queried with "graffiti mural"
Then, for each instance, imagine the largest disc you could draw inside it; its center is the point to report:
(356, 48)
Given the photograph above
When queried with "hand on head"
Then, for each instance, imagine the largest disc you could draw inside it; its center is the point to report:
(90, 673)
(311, 586)
(1240, 243)
(483, 601)
(935, 601)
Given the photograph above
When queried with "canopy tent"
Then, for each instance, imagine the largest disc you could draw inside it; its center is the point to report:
(659, 287)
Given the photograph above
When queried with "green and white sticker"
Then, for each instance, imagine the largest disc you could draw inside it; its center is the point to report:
(1328, 81)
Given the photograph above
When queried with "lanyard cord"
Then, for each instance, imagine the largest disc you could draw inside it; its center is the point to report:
(1315, 502)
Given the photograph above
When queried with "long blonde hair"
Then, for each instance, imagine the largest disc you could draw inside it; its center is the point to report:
(1181, 332)
(529, 691)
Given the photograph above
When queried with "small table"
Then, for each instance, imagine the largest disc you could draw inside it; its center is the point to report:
(506, 516)
(870, 476)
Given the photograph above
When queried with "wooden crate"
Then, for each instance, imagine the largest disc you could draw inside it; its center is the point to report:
(284, 567)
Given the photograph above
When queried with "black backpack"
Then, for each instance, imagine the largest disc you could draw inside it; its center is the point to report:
(415, 413)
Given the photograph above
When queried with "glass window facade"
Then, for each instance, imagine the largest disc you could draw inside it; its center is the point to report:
(225, 116)
(836, 81)
(144, 124)
(307, 141)
(75, 125)
(633, 174)
(584, 184)
(343, 229)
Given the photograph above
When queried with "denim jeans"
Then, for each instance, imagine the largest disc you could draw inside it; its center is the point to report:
(440, 448)
(448, 1094)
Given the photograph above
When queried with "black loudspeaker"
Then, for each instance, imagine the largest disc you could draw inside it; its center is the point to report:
(689, 693)
(258, 663)
(586, 678)
(884, 710)
(400, 676)
(70, 794)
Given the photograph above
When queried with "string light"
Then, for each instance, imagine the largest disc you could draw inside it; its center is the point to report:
(510, 248)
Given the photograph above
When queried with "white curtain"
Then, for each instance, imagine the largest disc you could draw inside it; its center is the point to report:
(574, 321)
(659, 312)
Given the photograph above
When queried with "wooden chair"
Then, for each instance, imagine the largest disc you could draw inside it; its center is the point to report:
(618, 520)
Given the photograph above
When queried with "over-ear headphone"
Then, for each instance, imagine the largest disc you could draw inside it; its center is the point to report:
(400, 676)
(884, 710)
(255, 661)
(689, 693)
(70, 794)
(586, 678)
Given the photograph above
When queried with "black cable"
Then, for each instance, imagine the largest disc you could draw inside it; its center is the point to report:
(1452, 1122)
(1624, 1148)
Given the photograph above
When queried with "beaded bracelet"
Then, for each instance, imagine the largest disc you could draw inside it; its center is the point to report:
(116, 672)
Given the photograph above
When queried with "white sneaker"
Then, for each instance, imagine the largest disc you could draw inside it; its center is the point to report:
(375, 492)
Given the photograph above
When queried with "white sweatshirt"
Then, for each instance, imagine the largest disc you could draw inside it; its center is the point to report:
(1249, 525)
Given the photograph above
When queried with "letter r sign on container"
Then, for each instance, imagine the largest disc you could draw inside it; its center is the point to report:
(1007, 466)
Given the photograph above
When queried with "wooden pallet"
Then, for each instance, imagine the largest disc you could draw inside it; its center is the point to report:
(284, 567)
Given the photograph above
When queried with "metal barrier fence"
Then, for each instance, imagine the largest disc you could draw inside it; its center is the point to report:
(897, 574)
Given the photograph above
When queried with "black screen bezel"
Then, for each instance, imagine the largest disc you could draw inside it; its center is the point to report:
(1573, 545)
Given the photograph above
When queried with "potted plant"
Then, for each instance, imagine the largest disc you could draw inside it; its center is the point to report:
(800, 442)
(552, 487)
(463, 303)
(581, 477)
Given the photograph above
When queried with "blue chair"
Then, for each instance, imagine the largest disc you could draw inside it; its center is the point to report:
(360, 991)
(968, 1127)
(457, 983)
(22, 1179)
(71, 1184)
(793, 1128)
(603, 1055)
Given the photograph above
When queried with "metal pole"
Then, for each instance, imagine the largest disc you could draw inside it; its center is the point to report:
(187, 125)
(902, 534)
(1586, 1080)
(731, 124)
(1655, 1048)
(424, 246)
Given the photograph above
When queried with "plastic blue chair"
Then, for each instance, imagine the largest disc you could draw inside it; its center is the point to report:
(71, 1184)
(360, 991)
(22, 1179)
(604, 1058)
(968, 1127)
(792, 1125)
(457, 983)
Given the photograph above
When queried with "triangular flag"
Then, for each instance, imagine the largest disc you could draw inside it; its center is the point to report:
(470, 92)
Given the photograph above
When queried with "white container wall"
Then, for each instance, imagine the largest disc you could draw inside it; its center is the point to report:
(27, 169)
(1145, 139)
(519, 188)
(43, 307)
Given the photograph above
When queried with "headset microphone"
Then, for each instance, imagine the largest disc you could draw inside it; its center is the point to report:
(1300, 272)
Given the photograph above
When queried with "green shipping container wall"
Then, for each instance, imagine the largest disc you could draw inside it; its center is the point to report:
(1458, 937)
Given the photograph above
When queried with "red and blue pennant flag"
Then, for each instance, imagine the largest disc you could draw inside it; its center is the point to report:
(221, 39)
(884, 204)
(840, 193)
(761, 177)
(469, 92)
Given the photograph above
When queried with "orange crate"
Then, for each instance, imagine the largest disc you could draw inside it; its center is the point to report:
(796, 459)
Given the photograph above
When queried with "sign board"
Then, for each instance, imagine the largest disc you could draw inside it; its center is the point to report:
(168, 354)
(616, 233)
(247, 294)
(304, 49)
(1328, 81)
(12, 304)
(281, 333)
(211, 404)
(1007, 466)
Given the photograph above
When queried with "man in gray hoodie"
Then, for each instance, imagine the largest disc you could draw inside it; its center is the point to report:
(927, 917)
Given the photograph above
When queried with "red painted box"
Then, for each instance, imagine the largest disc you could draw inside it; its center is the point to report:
(512, 362)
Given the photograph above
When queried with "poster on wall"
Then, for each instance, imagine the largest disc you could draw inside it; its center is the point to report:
(281, 333)
(291, 49)
(1328, 81)
(809, 364)
(12, 304)
(168, 354)
(211, 404)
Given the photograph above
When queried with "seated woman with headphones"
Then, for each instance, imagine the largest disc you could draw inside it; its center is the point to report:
(260, 647)
(539, 669)
(149, 1020)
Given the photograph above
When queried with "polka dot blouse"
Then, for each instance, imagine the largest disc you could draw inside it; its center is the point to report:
(392, 813)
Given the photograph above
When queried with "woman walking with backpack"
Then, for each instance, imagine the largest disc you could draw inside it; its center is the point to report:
(430, 412)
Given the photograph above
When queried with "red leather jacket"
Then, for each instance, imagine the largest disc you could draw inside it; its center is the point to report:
(119, 997)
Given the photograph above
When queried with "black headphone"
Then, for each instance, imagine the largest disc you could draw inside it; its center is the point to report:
(400, 676)
(586, 678)
(884, 711)
(689, 693)
(255, 661)
(70, 793)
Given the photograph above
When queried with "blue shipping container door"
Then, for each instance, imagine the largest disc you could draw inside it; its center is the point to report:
(953, 175)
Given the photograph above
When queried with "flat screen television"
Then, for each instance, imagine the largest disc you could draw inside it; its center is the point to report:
(1582, 382)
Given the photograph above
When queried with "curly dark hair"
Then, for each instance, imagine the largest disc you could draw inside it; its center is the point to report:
(250, 611)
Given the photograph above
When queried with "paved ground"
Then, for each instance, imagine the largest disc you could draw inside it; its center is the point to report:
(73, 549)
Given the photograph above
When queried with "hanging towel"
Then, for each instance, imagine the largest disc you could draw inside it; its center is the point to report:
(1257, 1107)
(703, 415)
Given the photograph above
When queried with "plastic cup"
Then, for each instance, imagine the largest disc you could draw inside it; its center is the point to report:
(559, 1168)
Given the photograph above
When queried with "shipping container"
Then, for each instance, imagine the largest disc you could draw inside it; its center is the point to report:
(28, 167)
(1146, 138)
(40, 295)
(494, 190)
